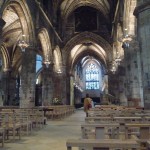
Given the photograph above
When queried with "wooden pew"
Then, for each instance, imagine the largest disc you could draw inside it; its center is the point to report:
(99, 131)
(99, 120)
(128, 119)
(10, 124)
(26, 123)
(102, 144)
(144, 129)
(57, 111)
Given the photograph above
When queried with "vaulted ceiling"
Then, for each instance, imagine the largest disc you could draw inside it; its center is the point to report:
(93, 20)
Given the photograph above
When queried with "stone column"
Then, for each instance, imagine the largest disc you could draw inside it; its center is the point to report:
(5, 95)
(142, 13)
(64, 86)
(12, 90)
(133, 83)
(28, 79)
(59, 80)
(136, 84)
(2, 75)
(122, 98)
(105, 94)
(47, 85)
(71, 91)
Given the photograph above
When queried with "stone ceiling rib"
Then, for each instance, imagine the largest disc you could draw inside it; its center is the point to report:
(11, 31)
(15, 24)
(86, 37)
(10, 16)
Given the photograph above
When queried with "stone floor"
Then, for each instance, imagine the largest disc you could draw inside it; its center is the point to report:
(53, 136)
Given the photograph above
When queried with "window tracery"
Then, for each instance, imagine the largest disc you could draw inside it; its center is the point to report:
(92, 77)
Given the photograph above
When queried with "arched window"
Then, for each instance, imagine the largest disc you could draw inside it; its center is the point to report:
(38, 62)
(92, 77)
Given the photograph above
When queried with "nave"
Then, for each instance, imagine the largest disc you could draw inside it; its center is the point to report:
(53, 136)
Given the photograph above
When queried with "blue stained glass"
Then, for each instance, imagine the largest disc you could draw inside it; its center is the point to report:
(38, 62)
(92, 77)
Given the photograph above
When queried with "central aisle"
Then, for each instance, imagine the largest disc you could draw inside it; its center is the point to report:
(53, 136)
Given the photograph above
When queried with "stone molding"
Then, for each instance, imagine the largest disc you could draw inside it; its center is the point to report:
(141, 8)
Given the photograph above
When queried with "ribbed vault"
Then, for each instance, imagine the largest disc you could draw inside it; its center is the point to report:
(68, 6)
(89, 37)
(18, 20)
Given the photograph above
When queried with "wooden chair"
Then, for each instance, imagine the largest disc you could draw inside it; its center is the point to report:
(10, 124)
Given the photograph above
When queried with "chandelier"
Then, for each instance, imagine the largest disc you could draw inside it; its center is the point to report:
(22, 43)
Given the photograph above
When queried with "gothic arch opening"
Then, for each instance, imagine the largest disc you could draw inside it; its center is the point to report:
(78, 54)
(45, 43)
(57, 60)
(18, 20)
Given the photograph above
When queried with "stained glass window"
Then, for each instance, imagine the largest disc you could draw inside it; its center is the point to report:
(92, 77)
(38, 62)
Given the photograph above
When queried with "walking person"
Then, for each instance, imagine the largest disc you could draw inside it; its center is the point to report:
(87, 104)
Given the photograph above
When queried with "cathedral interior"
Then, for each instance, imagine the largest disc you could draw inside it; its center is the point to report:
(55, 52)
(63, 49)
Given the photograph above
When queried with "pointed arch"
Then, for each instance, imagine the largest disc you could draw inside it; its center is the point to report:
(45, 43)
(89, 37)
(19, 22)
(57, 59)
(6, 58)
(23, 12)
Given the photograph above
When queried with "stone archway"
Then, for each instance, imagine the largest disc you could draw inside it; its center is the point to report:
(6, 58)
(19, 22)
(44, 39)
(87, 42)
(21, 10)
(87, 38)
(47, 72)
(59, 77)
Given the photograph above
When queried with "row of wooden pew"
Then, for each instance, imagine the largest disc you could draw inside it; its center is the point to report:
(16, 121)
(119, 129)
(58, 111)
